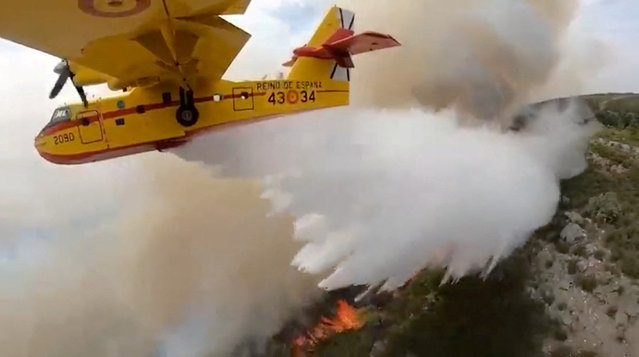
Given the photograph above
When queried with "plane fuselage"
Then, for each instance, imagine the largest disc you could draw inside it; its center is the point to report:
(145, 118)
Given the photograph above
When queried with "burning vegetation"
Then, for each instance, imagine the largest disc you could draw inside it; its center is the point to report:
(470, 317)
(347, 318)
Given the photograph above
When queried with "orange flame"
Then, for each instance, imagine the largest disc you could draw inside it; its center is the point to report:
(346, 319)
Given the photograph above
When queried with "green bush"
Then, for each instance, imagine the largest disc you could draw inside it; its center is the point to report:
(580, 251)
(562, 247)
(549, 263)
(604, 207)
(572, 266)
(587, 282)
(630, 266)
(560, 335)
(475, 317)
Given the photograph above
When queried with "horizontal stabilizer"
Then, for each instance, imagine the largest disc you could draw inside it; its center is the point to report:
(364, 42)
(344, 43)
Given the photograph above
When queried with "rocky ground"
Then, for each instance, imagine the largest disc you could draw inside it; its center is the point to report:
(586, 265)
(573, 290)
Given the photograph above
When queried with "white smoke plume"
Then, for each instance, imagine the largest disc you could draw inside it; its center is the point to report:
(379, 193)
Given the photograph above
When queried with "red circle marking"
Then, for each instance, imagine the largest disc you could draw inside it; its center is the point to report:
(292, 96)
(88, 6)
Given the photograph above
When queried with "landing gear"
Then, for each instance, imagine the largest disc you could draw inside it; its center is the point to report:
(187, 114)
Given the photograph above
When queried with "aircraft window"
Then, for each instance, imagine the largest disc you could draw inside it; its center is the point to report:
(60, 114)
(217, 97)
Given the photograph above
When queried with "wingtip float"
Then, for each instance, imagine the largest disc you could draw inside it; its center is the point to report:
(171, 73)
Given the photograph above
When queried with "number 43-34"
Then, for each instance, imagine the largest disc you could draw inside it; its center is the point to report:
(291, 97)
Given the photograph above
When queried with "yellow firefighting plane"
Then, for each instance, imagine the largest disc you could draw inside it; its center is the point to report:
(169, 56)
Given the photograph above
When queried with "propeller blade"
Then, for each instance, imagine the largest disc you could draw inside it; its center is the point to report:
(83, 95)
(65, 73)
(62, 79)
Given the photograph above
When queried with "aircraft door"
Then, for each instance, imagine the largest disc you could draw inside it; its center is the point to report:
(90, 128)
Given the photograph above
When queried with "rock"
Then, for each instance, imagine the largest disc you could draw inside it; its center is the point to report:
(379, 348)
(621, 318)
(582, 265)
(572, 233)
(565, 319)
(591, 249)
(574, 217)
(545, 255)
(618, 169)
(632, 310)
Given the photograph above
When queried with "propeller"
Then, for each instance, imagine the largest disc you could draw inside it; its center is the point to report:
(65, 73)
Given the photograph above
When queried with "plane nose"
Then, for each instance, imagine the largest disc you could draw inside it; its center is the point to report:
(47, 151)
(40, 145)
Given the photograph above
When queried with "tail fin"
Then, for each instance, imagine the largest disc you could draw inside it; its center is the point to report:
(328, 53)
(317, 68)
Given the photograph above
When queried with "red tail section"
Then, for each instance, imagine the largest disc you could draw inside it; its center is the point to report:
(364, 42)
(339, 35)
(344, 43)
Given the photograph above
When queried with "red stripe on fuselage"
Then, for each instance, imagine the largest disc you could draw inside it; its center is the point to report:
(128, 111)
(154, 145)
(70, 159)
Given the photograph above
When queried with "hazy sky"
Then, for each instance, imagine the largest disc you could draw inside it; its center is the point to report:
(614, 21)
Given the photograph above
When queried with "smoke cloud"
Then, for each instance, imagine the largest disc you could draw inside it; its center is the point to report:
(187, 265)
(484, 58)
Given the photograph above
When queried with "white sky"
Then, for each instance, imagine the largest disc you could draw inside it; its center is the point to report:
(277, 27)
(615, 22)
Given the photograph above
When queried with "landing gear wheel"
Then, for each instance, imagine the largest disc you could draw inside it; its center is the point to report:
(187, 115)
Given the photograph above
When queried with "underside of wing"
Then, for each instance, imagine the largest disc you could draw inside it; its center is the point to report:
(184, 8)
(131, 42)
(201, 46)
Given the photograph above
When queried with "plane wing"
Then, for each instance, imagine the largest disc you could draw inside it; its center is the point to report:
(132, 41)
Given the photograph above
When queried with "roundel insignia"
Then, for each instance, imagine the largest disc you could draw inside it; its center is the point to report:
(120, 104)
(293, 96)
(113, 8)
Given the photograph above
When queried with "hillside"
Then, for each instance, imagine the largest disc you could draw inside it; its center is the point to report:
(572, 290)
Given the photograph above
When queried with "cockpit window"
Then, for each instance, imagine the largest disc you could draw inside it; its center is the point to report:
(60, 114)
